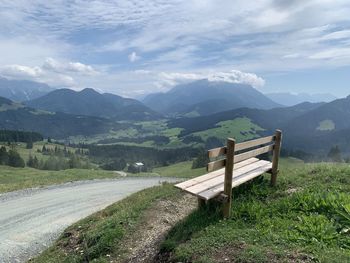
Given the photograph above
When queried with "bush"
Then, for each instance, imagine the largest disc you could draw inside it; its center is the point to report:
(201, 160)
(4, 157)
(33, 162)
(14, 159)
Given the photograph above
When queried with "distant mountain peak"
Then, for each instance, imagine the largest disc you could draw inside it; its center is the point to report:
(22, 90)
(197, 98)
(89, 102)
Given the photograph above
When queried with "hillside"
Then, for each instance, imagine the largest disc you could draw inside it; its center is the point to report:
(91, 103)
(205, 97)
(304, 219)
(15, 116)
(268, 119)
(22, 90)
(289, 99)
(329, 124)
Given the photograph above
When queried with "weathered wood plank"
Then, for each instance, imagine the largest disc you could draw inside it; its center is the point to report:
(195, 189)
(208, 176)
(216, 165)
(215, 191)
(228, 177)
(244, 156)
(253, 143)
(216, 152)
(275, 157)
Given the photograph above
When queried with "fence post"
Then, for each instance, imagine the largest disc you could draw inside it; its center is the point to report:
(228, 177)
(275, 156)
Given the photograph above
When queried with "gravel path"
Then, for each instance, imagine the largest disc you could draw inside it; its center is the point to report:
(30, 220)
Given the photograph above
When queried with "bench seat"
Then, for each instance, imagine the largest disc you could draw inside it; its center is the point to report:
(211, 184)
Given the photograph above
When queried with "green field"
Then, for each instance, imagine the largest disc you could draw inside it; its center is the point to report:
(136, 130)
(19, 178)
(306, 218)
(25, 153)
(240, 128)
(326, 125)
(12, 179)
(178, 170)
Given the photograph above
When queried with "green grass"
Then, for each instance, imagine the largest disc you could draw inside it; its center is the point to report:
(306, 218)
(12, 179)
(326, 125)
(240, 128)
(25, 153)
(97, 238)
(178, 170)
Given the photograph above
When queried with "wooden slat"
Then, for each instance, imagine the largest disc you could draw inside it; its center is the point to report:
(215, 191)
(208, 176)
(239, 157)
(253, 143)
(216, 152)
(252, 153)
(220, 179)
(216, 165)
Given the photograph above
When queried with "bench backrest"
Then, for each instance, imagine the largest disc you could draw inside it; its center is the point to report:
(243, 151)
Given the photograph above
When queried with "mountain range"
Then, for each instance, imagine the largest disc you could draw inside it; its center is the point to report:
(22, 90)
(16, 116)
(290, 99)
(91, 103)
(310, 127)
(205, 97)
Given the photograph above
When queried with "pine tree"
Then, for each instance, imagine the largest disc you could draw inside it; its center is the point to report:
(335, 154)
(29, 144)
(15, 159)
(4, 158)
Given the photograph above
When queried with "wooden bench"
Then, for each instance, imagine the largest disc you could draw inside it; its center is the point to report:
(234, 165)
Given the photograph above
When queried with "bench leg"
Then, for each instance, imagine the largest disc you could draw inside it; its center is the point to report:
(274, 178)
(227, 208)
(201, 203)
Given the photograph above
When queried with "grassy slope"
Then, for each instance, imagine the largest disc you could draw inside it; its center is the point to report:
(306, 218)
(303, 219)
(21, 148)
(240, 128)
(100, 234)
(12, 179)
(179, 170)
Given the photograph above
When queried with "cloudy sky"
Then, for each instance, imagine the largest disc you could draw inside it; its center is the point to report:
(134, 47)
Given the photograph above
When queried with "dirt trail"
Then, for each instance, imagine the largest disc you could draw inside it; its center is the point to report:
(144, 243)
(30, 220)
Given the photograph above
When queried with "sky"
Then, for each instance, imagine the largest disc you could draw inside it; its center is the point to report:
(136, 47)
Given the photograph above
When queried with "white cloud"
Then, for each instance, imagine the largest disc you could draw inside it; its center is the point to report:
(166, 80)
(204, 38)
(52, 72)
(133, 57)
(19, 71)
(69, 67)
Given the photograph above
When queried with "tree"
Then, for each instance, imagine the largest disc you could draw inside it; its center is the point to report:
(4, 157)
(49, 140)
(335, 154)
(201, 160)
(29, 144)
(15, 159)
(33, 162)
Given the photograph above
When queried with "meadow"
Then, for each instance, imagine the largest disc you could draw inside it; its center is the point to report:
(306, 218)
